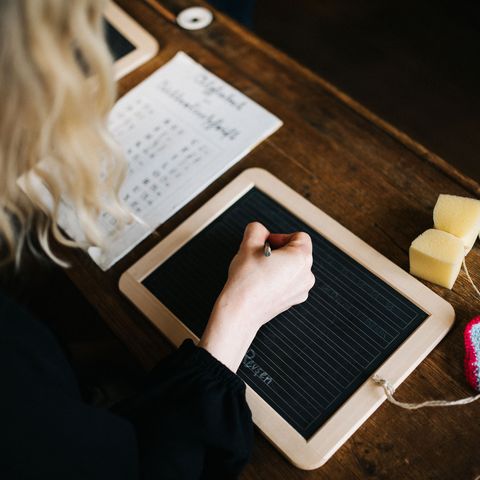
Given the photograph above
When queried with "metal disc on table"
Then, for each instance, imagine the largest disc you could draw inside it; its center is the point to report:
(194, 18)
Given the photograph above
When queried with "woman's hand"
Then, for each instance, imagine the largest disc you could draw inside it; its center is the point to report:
(258, 288)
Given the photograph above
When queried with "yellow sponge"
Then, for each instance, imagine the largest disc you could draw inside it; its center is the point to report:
(459, 216)
(437, 256)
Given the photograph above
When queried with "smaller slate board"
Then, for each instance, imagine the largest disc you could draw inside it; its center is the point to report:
(118, 44)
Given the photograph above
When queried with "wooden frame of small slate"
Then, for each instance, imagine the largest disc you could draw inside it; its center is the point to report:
(146, 46)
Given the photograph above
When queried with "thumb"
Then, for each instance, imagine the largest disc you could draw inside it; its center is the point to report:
(297, 240)
(255, 235)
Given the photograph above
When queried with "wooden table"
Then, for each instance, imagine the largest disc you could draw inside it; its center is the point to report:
(374, 180)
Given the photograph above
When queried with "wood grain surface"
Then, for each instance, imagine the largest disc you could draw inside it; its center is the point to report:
(367, 175)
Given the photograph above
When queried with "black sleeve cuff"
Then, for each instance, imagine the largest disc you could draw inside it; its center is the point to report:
(191, 357)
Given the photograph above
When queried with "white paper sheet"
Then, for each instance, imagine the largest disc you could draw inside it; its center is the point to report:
(180, 129)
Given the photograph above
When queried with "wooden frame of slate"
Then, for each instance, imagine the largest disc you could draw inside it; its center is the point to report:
(313, 449)
(145, 45)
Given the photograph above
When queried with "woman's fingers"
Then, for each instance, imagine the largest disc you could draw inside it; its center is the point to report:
(279, 240)
(255, 235)
(299, 240)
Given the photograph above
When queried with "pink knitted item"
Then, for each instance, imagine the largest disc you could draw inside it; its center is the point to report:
(472, 353)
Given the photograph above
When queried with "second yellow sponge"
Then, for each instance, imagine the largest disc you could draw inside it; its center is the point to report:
(437, 256)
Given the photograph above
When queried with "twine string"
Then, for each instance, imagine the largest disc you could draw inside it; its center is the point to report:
(390, 390)
(470, 278)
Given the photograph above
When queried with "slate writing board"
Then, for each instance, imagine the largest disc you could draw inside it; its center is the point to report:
(308, 361)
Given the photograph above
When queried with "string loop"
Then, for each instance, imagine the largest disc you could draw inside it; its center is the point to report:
(470, 278)
(390, 391)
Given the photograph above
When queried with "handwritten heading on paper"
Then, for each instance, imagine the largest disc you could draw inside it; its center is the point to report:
(210, 121)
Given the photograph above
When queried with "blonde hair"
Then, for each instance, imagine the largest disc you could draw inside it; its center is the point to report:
(56, 90)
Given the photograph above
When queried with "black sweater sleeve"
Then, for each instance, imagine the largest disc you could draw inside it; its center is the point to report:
(191, 421)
